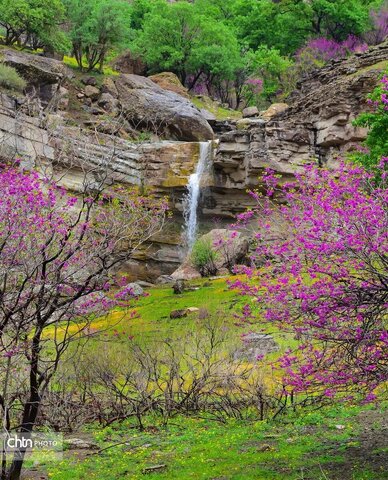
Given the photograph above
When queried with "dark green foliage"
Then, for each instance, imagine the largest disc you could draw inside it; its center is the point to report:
(377, 122)
(32, 22)
(204, 258)
(97, 26)
(214, 46)
(179, 38)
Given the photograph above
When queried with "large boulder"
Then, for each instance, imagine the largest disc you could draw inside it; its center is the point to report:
(127, 62)
(231, 247)
(35, 69)
(43, 75)
(256, 346)
(169, 81)
(146, 105)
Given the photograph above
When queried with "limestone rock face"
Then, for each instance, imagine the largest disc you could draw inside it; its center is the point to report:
(147, 105)
(314, 128)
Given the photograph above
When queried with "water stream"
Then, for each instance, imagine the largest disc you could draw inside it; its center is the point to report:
(194, 190)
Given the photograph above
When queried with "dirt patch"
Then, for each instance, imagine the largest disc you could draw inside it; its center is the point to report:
(367, 450)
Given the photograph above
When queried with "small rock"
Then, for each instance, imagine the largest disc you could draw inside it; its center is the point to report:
(256, 345)
(80, 95)
(250, 112)
(192, 310)
(95, 110)
(63, 98)
(274, 110)
(135, 288)
(144, 284)
(109, 86)
(179, 287)
(89, 81)
(154, 468)
(178, 314)
(108, 103)
(79, 444)
(186, 272)
(264, 448)
(164, 279)
(340, 427)
(92, 92)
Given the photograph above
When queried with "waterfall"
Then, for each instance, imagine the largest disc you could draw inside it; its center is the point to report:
(194, 190)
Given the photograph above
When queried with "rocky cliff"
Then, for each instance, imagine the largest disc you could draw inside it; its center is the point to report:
(315, 128)
(149, 136)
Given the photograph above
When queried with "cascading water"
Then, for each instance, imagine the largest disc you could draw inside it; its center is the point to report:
(194, 190)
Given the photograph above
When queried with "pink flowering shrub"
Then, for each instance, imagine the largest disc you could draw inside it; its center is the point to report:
(319, 51)
(57, 255)
(379, 31)
(320, 273)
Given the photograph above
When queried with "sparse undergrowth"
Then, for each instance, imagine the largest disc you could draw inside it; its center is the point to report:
(10, 79)
(346, 443)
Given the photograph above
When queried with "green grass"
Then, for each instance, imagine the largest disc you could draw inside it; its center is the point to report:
(150, 317)
(72, 63)
(299, 447)
(213, 107)
(302, 446)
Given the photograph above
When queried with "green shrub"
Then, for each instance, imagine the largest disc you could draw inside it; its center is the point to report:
(10, 79)
(204, 257)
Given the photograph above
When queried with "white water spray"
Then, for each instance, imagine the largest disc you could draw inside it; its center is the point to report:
(194, 190)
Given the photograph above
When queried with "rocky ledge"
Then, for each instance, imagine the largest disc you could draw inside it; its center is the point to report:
(315, 127)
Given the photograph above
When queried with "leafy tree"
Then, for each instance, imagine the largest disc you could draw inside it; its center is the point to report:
(270, 66)
(221, 10)
(281, 25)
(321, 275)
(288, 24)
(96, 27)
(179, 38)
(140, 8)
(339, 19)
(34, 22)
(57, 254)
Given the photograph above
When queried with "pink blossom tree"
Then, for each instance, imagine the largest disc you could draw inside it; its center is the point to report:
(320, 273)
(58, 254)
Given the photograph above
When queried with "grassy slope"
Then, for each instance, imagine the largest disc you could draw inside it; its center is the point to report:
(300, 447)
(150, 318)
(342, 443)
